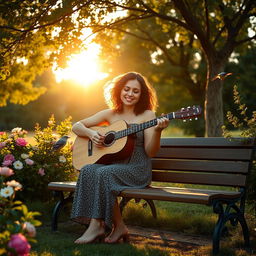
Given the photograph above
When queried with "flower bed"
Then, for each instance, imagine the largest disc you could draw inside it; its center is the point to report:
(17, 224)
(38, 164)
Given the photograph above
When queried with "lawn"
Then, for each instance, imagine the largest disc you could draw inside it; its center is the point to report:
(179, 217)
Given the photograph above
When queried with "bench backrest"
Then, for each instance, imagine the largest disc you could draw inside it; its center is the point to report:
(206, 161)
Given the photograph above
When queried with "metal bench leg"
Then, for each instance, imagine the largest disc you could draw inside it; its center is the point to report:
(233, 217)
(152, 207)
(217, 208)
(241, 219)
(59, 205)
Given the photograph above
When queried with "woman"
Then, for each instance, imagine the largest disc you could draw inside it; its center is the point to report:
(130, 98)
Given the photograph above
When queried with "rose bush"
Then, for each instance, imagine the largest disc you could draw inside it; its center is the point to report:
(37, 164)
(17, 224)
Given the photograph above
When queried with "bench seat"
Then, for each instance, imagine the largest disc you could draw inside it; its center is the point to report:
(175, 194)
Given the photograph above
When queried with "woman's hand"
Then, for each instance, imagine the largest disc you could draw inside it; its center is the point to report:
(162, 123)
(97, 138)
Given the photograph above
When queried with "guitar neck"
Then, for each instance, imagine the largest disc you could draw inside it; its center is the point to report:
(140, 127)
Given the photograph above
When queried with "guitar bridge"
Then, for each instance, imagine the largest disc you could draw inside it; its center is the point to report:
(89, 148)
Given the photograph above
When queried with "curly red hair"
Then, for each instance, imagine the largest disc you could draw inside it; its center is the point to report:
(147, 101)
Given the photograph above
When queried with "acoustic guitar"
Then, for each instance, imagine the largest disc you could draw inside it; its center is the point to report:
(119, 139)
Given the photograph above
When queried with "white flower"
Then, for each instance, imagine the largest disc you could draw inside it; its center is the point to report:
(30, 229)
(18, 165)
(7, 191)
(17, 129)
(24, 156)
(14, 184)
(62, 159)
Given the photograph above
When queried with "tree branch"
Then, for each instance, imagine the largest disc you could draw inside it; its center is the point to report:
(194, 26)
(248, 39)
(164, 17)
(116, 24)
(161, 47)
(242, 17)
(31, 28)
(207, 19)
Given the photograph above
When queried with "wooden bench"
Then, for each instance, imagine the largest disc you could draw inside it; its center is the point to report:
(201, 161)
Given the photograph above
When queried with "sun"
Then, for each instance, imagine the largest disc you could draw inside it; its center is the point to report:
(82, 68)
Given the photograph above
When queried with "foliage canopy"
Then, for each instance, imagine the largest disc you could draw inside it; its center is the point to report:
(192, 46)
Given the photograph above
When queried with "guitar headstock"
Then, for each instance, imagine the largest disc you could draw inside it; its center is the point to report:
(188, 113)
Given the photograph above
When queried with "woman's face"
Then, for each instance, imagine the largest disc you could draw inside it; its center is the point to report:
(130, 94)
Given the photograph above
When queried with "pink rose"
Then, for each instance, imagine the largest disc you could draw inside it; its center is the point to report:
(21, 142)
(7, 163)
(20, 244)
(41, 172)
(29, 161)
(2, 133)
(9, 157)
(2, 144)
(5, 171)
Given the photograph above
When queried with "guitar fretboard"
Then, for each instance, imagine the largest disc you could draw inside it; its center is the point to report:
(140, 127)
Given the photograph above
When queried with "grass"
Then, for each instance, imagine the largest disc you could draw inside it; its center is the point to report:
(190, 219)
(180, 217)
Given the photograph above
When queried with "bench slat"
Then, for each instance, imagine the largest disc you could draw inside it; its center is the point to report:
(206, 142)
(66, 186)
(205, 153)
(185, 195)
(201, 166)
(199, 178)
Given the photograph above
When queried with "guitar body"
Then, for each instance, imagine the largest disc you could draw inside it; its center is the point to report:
(85, 152)
(119, 139)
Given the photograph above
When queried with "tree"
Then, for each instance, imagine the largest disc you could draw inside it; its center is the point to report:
(215, 27)
(213, 31)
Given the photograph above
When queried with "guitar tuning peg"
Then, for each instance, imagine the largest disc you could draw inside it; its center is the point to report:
(184, 120)
(190, 119)
(196, 118)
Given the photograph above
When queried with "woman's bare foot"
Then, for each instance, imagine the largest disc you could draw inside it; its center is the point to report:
(94, 232)
(117, 233)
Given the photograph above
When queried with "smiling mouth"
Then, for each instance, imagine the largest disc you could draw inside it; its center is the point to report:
(128, 99)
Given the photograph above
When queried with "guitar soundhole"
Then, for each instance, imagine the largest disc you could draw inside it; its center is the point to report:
(109, 139)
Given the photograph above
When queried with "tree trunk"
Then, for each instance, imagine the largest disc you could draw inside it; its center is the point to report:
(213, 111)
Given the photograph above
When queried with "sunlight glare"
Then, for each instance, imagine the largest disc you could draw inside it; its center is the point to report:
(83, 68)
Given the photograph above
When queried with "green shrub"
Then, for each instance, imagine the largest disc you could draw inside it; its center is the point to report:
(36, 165)
(247, 127)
